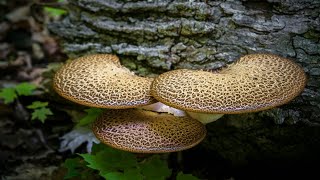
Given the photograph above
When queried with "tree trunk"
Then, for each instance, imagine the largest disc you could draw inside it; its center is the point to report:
(155, 36)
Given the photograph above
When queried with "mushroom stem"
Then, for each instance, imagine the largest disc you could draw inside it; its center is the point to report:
(160, 107)
(204, 118)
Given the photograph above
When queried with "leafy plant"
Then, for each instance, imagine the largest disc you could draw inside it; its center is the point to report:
(113, 164)
(55, 12)
(92, 114)
(182, 176)
(25, 89)
(11, 93)
(77, 168)
(40, 110)
(8, 95)
(81, 133)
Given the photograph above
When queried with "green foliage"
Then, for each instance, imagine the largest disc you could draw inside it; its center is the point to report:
(8, 95)
(55, 12)
(37, 104)
(76, 167)
(155, 168)
(40, 110)
(113, 164)
(25, 89)
(182, 176)
(11, 93)
(92, 114)
(108, 160)
(73, 165)
(128, 174)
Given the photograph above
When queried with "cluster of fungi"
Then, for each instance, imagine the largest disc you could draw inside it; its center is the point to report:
(185, 100)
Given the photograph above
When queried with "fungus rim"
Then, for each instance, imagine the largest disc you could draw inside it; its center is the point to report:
(114, 60)
(239, 110)
(97, 124)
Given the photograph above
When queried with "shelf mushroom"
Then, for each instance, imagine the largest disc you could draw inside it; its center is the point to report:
(143, 131)
(99, 80)
(253, 83)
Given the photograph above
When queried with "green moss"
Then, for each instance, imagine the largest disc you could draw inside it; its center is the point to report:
(127, 62)
(142, 71)
(312, 34)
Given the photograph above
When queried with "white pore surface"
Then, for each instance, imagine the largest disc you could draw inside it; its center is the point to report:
(160, 107)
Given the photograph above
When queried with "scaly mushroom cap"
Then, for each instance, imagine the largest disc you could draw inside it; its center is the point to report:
(253, 83)
(100, 81)
(143, 131)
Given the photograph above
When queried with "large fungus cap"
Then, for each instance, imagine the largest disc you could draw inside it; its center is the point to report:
(144, 131)
(100, 81)
(253, 83)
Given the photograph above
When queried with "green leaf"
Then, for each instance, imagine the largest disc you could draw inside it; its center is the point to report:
(73, 166)
(182, 176)
(92, 114)
(25, 89)
(128, 174)
(110, 160)
(8, 94)
(133, 174)
(98, 162)
(37, 104)
(155, 168)
(98, 147)
(114, 164)
(113, 176)
(54, 12)
(41, 114)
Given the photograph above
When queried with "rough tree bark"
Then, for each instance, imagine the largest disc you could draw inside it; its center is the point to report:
(156, 36)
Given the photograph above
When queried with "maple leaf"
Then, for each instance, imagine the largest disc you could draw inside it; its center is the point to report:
(11, 93)
(92, 114)
(155, 168)
(110, 160)
(37, 104)
(115, 164)
(128, 174)
(8, 94)
(25, 89)
(41, 114)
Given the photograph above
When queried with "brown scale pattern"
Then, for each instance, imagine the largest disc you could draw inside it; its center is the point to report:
(144, 131)
(100, 81)
(255, 82)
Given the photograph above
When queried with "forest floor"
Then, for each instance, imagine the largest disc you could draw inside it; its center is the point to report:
(29, 149)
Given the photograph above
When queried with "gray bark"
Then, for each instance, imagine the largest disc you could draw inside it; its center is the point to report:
(157, 36)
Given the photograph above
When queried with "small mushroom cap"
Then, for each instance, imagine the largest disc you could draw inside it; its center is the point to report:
(144, 131)
(253, 83)
(100, 81)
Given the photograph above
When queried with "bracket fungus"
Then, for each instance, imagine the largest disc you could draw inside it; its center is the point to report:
(142, 131)
(99, 80)
(253, 83)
